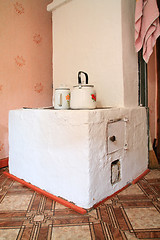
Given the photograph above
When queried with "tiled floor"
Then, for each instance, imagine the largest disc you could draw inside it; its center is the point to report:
(132, 214)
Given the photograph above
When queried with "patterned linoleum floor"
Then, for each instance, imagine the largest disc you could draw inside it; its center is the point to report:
(132, 214)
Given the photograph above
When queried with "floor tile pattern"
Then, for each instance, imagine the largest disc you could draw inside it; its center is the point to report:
(132, 214)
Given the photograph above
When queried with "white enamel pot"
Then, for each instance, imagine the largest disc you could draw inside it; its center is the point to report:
(83, 96)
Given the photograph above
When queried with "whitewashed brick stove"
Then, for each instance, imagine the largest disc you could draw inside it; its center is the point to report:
(82, 156)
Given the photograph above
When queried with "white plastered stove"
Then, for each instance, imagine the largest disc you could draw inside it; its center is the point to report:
(82, 156)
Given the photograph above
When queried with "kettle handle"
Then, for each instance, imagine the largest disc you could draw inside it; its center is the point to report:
(79, 77)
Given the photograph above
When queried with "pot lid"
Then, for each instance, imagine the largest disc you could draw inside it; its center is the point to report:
(62, 88)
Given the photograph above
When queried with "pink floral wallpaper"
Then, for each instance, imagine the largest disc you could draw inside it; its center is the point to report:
(25, 59)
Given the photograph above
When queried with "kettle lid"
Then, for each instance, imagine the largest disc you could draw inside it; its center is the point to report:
(83, 85)
(62, 88)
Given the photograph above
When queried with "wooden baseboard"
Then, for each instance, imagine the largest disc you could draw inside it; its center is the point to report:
(153, 161)
(4, 162)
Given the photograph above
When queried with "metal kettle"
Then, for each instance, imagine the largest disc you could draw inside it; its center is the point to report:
(83, 95)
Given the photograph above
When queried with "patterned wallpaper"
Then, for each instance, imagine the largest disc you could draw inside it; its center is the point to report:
(25, 59)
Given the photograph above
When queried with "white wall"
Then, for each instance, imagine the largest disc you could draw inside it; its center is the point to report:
(94, 36)
(130, 64)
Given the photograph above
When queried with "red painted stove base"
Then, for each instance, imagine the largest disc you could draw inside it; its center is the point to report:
(66, 203)
(133, 182)
(140, 176)
(97, 204)
(49, 195)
